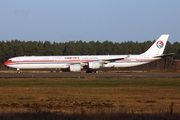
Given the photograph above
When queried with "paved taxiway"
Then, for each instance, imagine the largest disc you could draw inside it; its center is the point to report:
(90, 75)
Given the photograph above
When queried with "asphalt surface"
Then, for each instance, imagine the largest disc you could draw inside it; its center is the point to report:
(89, 75)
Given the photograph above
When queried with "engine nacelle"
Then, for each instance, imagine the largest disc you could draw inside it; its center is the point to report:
(75, 68)
(94, 65)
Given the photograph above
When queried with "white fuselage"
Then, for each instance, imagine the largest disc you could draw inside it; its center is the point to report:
(51, 62)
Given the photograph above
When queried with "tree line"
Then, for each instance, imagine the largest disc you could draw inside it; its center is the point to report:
(13, 48)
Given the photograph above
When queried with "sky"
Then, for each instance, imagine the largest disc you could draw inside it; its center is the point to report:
(87, 20)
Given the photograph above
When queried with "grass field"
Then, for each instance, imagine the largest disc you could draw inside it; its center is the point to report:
(150, 98)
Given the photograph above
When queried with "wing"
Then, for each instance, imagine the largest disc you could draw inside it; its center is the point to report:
(104, 61)
(113, 60)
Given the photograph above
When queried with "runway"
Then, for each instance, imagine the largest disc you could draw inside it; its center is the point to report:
(90, 75)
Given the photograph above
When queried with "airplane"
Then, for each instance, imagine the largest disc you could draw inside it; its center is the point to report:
(91, 63)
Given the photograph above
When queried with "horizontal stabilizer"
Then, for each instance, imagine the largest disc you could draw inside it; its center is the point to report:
(165, 55)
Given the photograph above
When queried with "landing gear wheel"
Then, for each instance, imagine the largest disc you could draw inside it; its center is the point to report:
(89, 71)
(96, 71)
(92, 71)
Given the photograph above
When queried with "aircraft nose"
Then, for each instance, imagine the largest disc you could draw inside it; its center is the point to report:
(7, 62)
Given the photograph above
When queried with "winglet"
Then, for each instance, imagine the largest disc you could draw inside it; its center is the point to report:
(158, 47)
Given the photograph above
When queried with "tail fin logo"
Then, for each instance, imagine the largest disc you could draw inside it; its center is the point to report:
(160, 44)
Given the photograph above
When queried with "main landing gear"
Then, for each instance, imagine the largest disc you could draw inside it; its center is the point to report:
(92, 71)
(57, 70)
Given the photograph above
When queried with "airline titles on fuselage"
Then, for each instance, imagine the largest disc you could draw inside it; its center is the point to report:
(83, 58)
(69, 57)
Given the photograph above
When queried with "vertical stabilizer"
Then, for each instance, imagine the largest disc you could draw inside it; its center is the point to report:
(158, 47)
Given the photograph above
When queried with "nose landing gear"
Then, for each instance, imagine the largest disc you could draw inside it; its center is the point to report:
(18, 70)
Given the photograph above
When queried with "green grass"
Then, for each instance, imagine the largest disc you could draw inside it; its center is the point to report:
(95, 82)
(139, 95)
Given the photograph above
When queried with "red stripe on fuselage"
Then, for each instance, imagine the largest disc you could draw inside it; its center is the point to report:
(31, 61)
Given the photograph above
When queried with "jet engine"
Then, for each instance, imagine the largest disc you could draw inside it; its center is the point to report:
(94, 65)
(75, 67)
